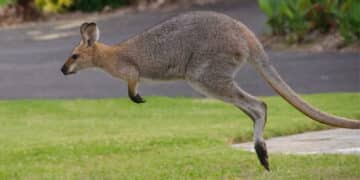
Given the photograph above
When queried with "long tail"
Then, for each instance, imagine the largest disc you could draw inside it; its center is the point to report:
(269, 73)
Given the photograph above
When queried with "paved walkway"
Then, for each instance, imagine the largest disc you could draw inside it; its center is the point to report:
(328, 141)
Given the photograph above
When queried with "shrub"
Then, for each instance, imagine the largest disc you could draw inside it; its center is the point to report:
(97, 5)
(56, 6)
(5, 2)
(296, 18)
(350, 20)
(287, 17)
(53, 6)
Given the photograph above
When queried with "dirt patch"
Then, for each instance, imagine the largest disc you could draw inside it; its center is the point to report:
(332, 42)
(16, 14)
(13, 15)
(154, 4)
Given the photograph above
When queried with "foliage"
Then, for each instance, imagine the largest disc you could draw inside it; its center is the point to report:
(53, 6)
(350, 20)
(296, 18)
(165, 138)
(5, 2)
(56, 6)
(97, 5)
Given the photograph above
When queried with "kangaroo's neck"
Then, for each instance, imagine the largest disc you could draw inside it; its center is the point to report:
(112, 59)
(105, 55)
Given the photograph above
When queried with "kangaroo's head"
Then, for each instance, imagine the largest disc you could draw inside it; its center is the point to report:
(83, 55)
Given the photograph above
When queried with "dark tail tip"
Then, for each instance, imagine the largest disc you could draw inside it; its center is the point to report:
(260, 148)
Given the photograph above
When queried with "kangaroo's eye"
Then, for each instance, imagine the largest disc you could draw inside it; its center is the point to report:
(74, 56)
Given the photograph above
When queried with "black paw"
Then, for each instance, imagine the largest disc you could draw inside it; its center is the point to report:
(137, 99)
(260, 148)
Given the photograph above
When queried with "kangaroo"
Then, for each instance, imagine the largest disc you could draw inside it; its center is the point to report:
(204, 48)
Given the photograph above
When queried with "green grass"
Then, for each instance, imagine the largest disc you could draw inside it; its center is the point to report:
(165, 138)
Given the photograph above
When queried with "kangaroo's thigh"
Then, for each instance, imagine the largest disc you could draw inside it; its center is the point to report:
(220, 85)
(212, 74)
(223, 87)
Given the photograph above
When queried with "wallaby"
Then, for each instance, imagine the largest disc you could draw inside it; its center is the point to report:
(204, 48)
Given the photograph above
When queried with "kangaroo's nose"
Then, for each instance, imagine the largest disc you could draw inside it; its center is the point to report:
(64, 70)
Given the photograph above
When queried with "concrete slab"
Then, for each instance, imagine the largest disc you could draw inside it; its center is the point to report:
(334, 141)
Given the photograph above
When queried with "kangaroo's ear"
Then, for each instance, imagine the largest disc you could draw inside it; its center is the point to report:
(90, 33)
(83, 27)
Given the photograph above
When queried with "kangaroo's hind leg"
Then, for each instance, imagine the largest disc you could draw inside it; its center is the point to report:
(221, 86)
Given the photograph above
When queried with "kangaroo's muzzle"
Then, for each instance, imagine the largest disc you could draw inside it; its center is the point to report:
(65, 70)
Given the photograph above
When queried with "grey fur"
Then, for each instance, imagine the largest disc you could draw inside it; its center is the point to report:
(179, 47)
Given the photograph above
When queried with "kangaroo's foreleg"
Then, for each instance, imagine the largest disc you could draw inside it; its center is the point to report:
(222, 86)
(132, 92)
(130, 73)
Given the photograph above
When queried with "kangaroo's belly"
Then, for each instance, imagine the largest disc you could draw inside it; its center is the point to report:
(162, 75)
(163, 69)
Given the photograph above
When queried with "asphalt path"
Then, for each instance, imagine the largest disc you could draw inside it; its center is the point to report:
(31, 57)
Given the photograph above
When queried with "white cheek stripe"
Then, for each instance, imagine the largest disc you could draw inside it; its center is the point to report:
(72, 67)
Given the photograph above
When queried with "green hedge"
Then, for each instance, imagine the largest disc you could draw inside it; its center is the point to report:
(55, 6)
(98, 5)
(296, 18)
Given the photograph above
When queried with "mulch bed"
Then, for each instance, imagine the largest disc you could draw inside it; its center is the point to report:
(13, 15)
(332, 42)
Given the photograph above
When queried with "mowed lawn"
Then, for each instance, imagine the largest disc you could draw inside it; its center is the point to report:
(165, 138)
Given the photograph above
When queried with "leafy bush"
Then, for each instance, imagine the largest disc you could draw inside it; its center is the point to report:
(5, 2)
(97, 5)
(350, 20)
(53, 6)
(296, 18)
